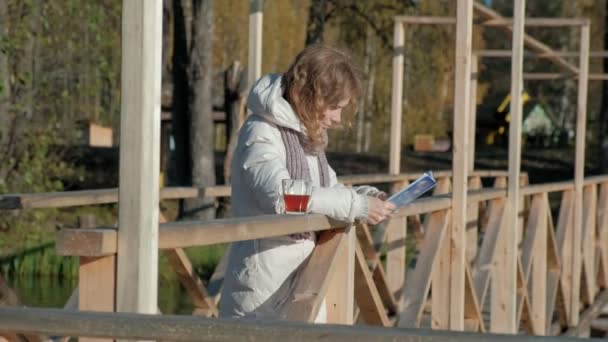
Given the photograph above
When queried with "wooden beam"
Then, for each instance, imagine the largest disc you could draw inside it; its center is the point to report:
(533, 44)
(340, 296)
(395, 256)
(93, 197)
(508, 54)
(483, 264)
(579, 174)
(587, 317)
(97, 286)
(460, 164)
(379, 276)
(507, 277)
(536, 22)
(589, 230)
(191, 281)
(188, 328)
(602, 227)
(137, 274)
(553, 270)
(564, 234)
(86, 242)
(473, 111)
(440, 281)
(396, 99)
(417, 287)
(368, 298)
(548, 76)
(546, 188)
(256, 18)
(304, 301)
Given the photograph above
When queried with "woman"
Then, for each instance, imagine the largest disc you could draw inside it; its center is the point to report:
(284, 138)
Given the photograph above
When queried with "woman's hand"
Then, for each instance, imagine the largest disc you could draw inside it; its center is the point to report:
(378, 210)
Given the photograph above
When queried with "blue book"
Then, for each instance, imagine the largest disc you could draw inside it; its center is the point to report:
(406, 195)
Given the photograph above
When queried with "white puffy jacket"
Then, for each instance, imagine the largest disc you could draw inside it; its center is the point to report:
(261, 272)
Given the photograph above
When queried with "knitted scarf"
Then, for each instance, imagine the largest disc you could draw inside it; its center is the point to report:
(296, 147)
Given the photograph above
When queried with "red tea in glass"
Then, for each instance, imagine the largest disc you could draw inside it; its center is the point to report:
(296, 194)
(296, 203)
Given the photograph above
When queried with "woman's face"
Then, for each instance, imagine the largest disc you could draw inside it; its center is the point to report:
(333, 116)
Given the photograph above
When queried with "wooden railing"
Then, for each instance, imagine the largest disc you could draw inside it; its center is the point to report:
(53, 322)
(346, 267)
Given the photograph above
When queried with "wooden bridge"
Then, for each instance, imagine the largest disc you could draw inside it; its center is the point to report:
(347, 266)
(506, 258)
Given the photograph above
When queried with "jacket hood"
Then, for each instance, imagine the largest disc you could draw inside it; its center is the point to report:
(266, 100)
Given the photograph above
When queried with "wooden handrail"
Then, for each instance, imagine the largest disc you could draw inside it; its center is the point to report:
(182, 234)
(101, 242)
(106, 196)
(133, 326)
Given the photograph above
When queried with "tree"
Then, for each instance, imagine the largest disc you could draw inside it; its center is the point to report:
(192, 103)
(603, 126)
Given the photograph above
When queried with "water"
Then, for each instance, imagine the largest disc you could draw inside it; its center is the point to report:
(54, 292)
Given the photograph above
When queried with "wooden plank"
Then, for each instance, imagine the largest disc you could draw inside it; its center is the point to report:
(587, 317)
(304, 301)
(546, 187)
(396, 99)
(473, 111)
(602, 219)
(86, 242)
(368, 299)
(214, 288)
(137, 260)
(340, 297)
(191, 281)
(531, 43)
(472, 310)
(506, 316)
(417, 287)
(256, 18)
(596, 179)
(395, 255)
(379, 276)
(460, 161)
(188, 328)
(472, 218)
(579, 174)
(87, 197)
(508, 53)
(553, 269)
(564, 237)
(523, 312)
(538, 278)
(440, 283)
(97, 286)
(588, 243)
(536, 22)
(483, 265)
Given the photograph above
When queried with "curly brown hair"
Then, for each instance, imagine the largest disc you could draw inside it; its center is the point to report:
(319, 79)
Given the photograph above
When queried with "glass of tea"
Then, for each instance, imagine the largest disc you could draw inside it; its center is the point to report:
(296, 193)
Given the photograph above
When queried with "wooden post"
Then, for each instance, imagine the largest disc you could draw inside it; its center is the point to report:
(508, 274)
(460, 164)
(256, 17)
(395, 256)
(579, 174)
(137, 275)
(440, 283)
(340, 297)
(473, 107)
(397, 98)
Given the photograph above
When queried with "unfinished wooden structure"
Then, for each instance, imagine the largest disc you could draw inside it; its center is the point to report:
(509, 257)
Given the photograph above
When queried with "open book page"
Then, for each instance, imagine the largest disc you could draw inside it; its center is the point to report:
(421, 185)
